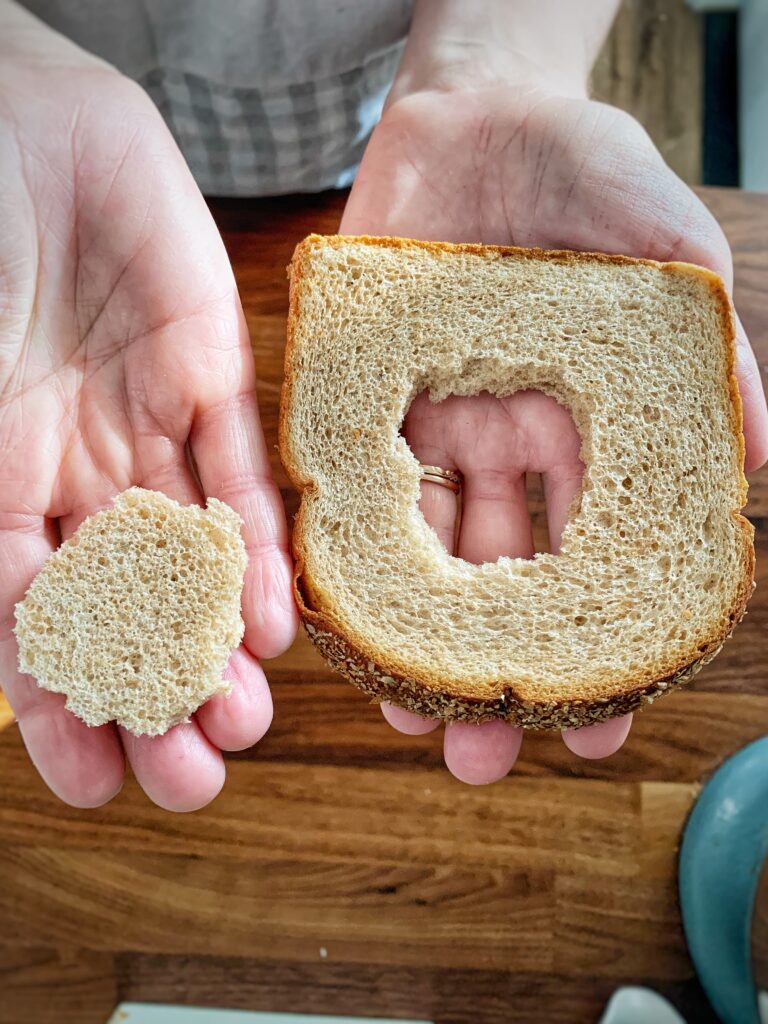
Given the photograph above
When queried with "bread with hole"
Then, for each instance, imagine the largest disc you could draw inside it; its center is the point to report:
(656, 562)
(134, 617)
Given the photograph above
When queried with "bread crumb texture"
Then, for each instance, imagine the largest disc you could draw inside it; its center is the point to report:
(656, 563)
(133, 618)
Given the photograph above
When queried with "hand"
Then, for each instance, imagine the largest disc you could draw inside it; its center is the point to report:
(505, 164)
(124, 346)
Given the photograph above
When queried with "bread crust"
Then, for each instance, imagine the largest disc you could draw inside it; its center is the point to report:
(414, 695)
(425, 694)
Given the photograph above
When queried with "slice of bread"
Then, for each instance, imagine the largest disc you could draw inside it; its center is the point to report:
(134, 617)
(656, 563)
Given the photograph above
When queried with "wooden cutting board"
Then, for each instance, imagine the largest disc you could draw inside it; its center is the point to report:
(342, 870)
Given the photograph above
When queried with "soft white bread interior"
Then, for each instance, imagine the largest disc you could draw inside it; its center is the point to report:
(656, 563)
(134, 617)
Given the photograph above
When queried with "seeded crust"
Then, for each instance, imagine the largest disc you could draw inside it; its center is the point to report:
(390, 687)
(428, 695)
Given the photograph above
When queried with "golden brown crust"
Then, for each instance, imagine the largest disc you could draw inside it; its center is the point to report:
(423, 699)
(369, 669)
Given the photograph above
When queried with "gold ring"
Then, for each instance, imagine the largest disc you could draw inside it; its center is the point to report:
(449, 478)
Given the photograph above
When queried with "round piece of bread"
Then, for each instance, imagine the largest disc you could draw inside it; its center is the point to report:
(655, 564)
(134, 617)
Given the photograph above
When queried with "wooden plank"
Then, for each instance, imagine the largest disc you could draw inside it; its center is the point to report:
(664, 810)
(404, 914)
(453, 996)
(652, 66)
(348, 815)
(6, 714)
(55, 986)
(619, 927)
(582, 925)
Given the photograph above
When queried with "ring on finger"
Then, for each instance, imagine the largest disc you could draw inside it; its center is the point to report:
(450, 478)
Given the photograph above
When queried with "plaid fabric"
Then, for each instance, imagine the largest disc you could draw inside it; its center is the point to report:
(300, 137)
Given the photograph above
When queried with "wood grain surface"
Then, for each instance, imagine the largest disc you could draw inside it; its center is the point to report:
(6, 713)
(342, 870)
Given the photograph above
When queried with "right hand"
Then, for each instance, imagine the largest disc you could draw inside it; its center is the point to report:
(122, 346)
(513, 163)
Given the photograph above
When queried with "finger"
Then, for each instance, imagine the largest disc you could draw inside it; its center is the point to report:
(495, 520)
(83, 766)
(240, 719)
(561, 485)
(560, 488)
(179, 771)
(231, 457)
(481, 754)
(162, 464)
(752, 400)
(601, 740)
(439, 506)
(407, 722)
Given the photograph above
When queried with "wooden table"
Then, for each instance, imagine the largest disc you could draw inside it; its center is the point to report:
(343, 869)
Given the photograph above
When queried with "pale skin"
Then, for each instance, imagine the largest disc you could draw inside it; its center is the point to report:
(483, 141)
(123, 346)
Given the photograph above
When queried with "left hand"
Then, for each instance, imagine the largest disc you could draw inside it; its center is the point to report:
(521, 165)
(124, 356)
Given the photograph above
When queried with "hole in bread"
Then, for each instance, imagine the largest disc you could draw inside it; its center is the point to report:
(651, 414)
(707, 529)
(517, 453)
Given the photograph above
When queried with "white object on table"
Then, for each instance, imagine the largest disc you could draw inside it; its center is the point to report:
(639, 1006)
(643, 1006)
(157, 1013)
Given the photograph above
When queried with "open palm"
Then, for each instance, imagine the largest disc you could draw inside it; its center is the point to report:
(124, 360)
(515, 166)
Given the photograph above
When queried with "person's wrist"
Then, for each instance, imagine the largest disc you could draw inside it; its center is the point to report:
(544, 45)
(462, 68)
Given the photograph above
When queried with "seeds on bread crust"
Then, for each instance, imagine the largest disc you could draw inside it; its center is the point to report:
(414, 696)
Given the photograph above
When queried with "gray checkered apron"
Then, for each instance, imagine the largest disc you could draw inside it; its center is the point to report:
(264, 97)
